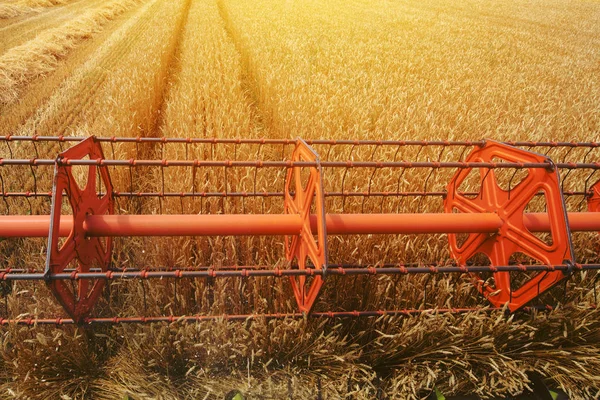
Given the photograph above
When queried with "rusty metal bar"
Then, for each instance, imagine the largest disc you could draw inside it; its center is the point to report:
(263, 141)
(442, 194)
(288, 164)
(250, 272)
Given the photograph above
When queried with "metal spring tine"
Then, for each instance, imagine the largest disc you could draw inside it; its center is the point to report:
(194, 171)
(566, 153)
(34, 142)
(462, 153)
(395, 157)
(344, 177)
(34, 179)
(375, 169)
(397, 151)
(10, 152)
(162, 189)
(585, 188)
(375, 151)
(425, 187)
(254, 183)
(587, 153)
(398, 188)
(243, 205)
(226, 184)
(510, 182)
(98, 182)
(7, 205)
(2, 188)
(439, 159)
(482, 181)
(343, 183)
(130, 179)
(112, 149)
(372, 175)
(563, 180)
(351, 151)
(402, 174)
(431, 173)
(162, 177)
(258, 157)
(421, 147)
(329, 151)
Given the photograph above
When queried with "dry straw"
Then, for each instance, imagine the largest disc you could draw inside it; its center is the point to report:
(42, 54)
(21, 7)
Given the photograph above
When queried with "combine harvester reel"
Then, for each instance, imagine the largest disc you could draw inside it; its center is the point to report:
(492, 223)
(514, 235)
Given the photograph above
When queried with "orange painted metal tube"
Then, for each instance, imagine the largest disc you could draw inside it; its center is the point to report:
(193, 225)
(409, 223)
(268, 224)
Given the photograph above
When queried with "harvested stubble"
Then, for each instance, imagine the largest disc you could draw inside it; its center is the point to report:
(11, 9)
(42, 54)
(17, 31)
(281, 69)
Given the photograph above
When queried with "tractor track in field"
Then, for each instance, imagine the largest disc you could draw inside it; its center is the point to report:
(173, 69)
(248, 76)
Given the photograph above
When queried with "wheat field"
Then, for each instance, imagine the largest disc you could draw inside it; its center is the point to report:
(357, 69)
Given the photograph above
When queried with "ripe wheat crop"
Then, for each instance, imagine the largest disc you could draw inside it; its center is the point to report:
(359, 69)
